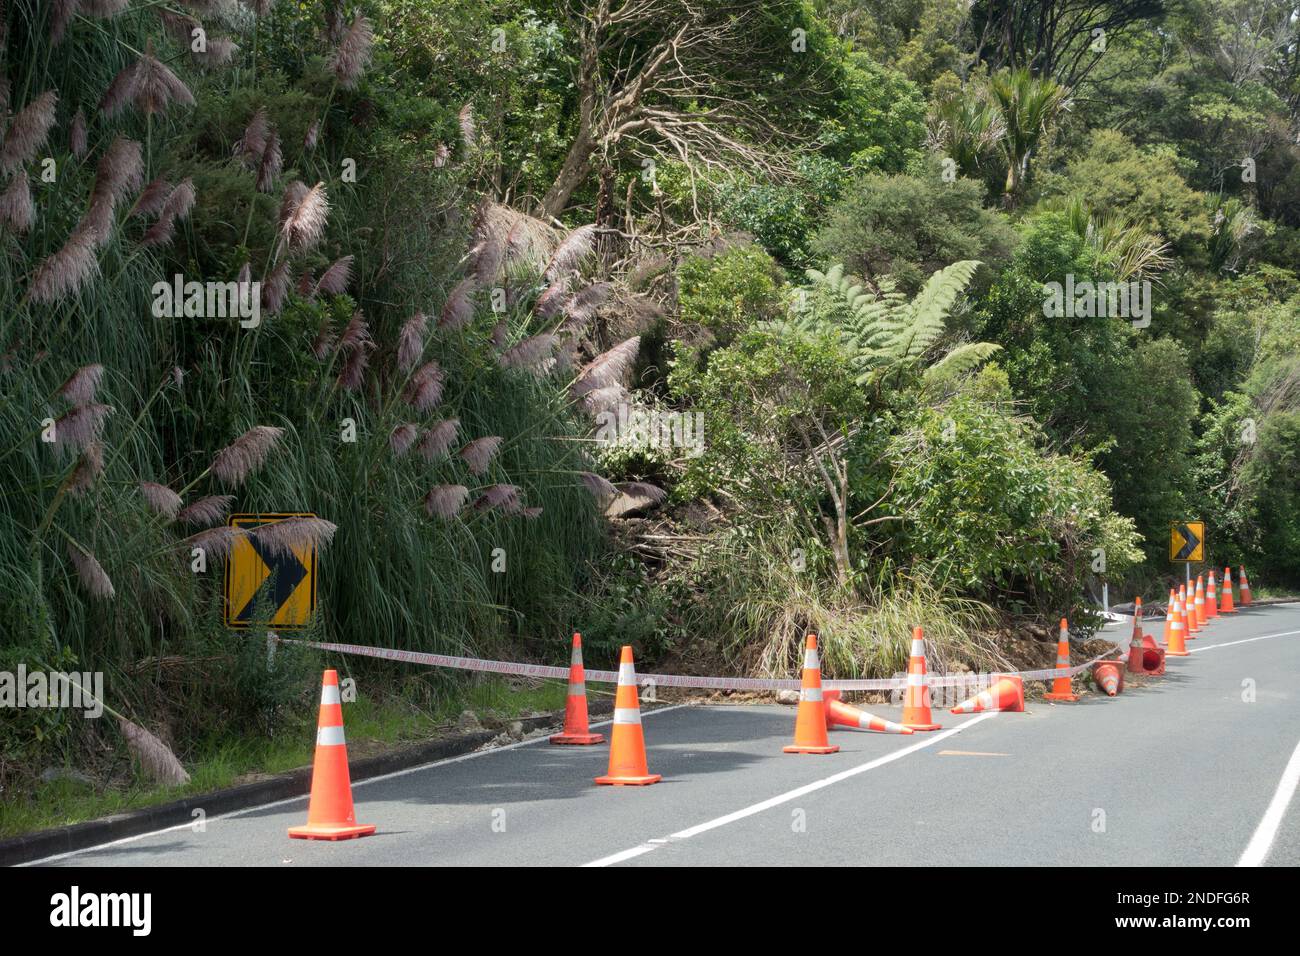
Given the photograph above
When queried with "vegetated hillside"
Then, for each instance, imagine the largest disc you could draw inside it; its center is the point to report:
(689, 325)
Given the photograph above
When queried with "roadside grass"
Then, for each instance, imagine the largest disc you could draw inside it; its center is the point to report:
(374, 725)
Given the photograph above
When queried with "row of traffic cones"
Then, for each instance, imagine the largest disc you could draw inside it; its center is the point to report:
(331, 814)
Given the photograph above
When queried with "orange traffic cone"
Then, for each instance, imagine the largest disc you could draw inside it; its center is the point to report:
(576, 731)
(1007, 693)
(1225, 604)
(1169, 617)
(1201, 619)
(1245, 587)
(1135, 643)
(839, 714)
(627, 766)
(810, 721)
(1178, 632)
(329, 813)
(1187, 597)
(916, 696)
(1109, 677)
(1061, 685)
(1211, 597)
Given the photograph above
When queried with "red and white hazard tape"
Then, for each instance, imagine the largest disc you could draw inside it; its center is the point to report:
(663, 680)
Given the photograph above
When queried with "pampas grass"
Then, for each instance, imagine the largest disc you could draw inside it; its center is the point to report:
(303, 213)
(353, 53)
(152, 197)
(607, 368)
(275, 287)
(216, 542)
(478, 454)
(436, 442)
(599, 487)
(282, 537)
(78, 141)
(334, 280)
(234, 463)
(468, 129)
(528, 353)
(176, 207)
(410, 341)
(458, 309)
(401, 438)
(270, 165)
(250, 147)
(81, 385)
(160, 498)
(154, 757)
(147, 84)
(90, 573)
(66, 270)
(28, 131)
(424, 390)
(576, 246)
(17, 211)
(505, 497)
(208, 510)
(445, 501)
(88, 469)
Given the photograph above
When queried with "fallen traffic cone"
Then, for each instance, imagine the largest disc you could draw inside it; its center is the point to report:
(839, 714)
(1061, 685)
(1211, 597)
(1245, 587)
(1007, 693)
(1225, 605)
(330, 815)
(916, 696)
(1178, 633)
(1201, 619)
(810, 721)
(576, 731)
(1109, 676)
(627, 766)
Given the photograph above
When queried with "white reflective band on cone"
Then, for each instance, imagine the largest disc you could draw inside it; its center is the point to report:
(627, 674)
(329, 737)
(576, 656)
(810, 660)
(627, 715)
(915, 680)
(918, 647)
(329, 694)
(578, 690)
(810, 693)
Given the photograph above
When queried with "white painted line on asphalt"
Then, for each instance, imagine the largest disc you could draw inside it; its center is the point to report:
(1248, 640)
(1257, 850)
(788, 795)
(355, 784)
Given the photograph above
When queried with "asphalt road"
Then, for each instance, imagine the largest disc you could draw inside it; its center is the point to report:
(1182, 771)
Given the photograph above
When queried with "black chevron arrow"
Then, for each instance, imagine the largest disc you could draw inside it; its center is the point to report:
(287, 573)
(1192, 543)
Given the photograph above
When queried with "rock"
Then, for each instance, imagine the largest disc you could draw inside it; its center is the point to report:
(516, 729)
(52, 774)
(787, 697)
(467, 722)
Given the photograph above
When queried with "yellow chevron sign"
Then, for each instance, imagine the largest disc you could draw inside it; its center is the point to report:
(282, 587)
(1187, 541)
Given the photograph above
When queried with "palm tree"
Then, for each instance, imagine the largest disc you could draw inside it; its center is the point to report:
(1028, 106)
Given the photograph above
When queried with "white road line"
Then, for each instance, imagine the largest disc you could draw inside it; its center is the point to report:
(788, 795)
(1248, 640)
(1257, 850)
(355, 785)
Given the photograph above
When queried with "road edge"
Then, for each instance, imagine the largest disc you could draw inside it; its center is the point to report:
(295, 783)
